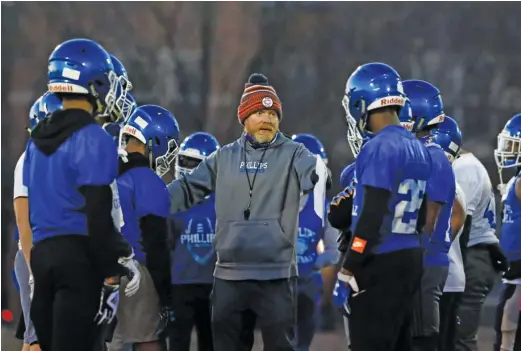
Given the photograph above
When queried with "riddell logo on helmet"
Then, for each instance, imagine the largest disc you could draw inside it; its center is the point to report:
(130, 130)
(60, 88)
(392, 101)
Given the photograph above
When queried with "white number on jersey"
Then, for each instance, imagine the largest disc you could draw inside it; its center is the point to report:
(416, 189)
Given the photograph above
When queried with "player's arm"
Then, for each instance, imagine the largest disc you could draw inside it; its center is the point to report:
(438, 190)
(366, 234)
(192, 188)
(307, 167)
(21, 211)
(155, 233)
(458, 217)
(375, 167)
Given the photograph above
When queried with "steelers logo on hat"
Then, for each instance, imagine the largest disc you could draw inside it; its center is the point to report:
(267, 102)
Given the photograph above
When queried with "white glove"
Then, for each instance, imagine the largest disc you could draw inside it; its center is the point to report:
(133, 274)
(31, 286)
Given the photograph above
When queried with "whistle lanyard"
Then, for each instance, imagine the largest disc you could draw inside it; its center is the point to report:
(251, 183)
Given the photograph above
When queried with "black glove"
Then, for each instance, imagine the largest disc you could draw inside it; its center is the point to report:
(109, 302)
(499, 259)
(514, 270)
(167, 316)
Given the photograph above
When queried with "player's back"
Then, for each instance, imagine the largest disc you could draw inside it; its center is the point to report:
(193, 259)
(473, 178)
(62, 156)
(396, 161)
(441, 188)
(141, 193)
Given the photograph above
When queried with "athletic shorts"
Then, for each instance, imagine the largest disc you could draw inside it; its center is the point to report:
(138, 315)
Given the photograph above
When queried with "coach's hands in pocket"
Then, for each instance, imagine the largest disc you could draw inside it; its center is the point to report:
(109, 302)
(133, 274)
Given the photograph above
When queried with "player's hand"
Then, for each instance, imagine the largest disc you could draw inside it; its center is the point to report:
(31, 286)
(133, 274)
(514, 270)
(166, 316)
(499, 260)
(109, 302)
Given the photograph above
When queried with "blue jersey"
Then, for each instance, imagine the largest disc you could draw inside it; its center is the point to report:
(193, 260)
(511, 230)
(141, 193)
(87, 157)
(396, 161)
(441, 188)
(310, 231)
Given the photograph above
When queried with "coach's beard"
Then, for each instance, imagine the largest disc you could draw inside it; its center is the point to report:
(263, 134)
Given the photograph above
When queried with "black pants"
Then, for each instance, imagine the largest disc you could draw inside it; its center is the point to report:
(238, 305)
(381, 313)
(67, 294)
(449, 304)
(191, 304)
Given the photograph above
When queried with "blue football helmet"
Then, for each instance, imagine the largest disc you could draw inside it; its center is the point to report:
(448, 135)
(371, 86)
(43, 108)
(157, 128)
(347, 175)
(195, 148)
(405, 116)
(426, 104)
(83, 67)
(34, 114)
(312, 144)
(508, 152)
(123, 107)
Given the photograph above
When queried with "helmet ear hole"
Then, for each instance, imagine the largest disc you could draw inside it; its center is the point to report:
(158, 141)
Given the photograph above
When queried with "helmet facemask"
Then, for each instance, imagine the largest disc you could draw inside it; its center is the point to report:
(508, 152)
(162, 163)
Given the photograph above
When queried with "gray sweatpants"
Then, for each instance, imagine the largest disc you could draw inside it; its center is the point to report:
(22, 275)
(480, 276)
(426, 313)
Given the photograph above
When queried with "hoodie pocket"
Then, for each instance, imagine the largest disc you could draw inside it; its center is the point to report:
(253, 242)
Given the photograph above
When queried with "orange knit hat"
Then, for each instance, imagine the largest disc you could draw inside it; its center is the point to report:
(258, 95)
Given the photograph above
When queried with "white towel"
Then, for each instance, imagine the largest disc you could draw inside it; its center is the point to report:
(319, 192)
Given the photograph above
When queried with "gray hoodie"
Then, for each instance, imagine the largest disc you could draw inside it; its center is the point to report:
(262, 247)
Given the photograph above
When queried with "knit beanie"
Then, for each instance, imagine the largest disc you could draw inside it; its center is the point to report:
(258, 95)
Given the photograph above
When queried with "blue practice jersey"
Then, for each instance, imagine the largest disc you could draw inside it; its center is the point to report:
(441, 188)
(141, 193)
(310, 231)
(193, 259)
(396, 161)
(87, 157)
(511, 230)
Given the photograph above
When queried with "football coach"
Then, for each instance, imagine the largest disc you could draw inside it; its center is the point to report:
(258, 181)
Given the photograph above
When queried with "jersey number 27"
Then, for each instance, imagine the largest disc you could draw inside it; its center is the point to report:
(403, 224)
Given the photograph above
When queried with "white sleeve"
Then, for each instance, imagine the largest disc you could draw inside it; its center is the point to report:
(19, 189)
(460, 195)
(468, 180)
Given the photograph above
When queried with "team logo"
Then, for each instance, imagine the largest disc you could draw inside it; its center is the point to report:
(198, 238)
(267, 102)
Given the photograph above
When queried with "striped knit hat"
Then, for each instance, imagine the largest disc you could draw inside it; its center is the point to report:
(258, 95)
